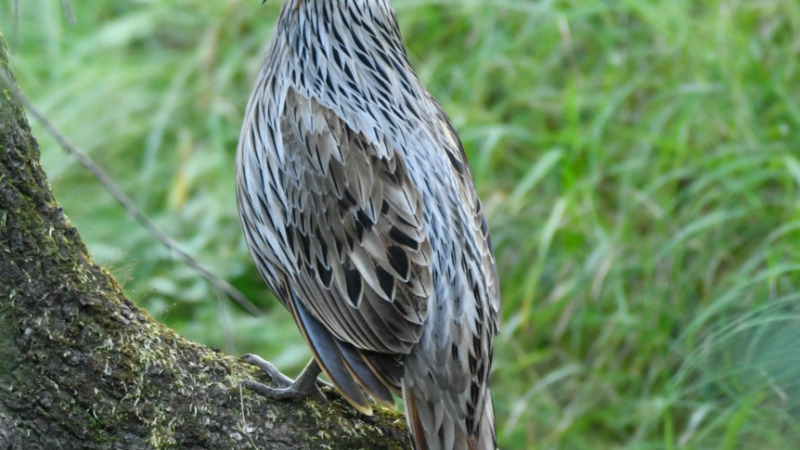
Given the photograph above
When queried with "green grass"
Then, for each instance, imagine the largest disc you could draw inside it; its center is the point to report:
(639, 161)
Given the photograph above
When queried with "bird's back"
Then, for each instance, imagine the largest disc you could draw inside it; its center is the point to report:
(359, 208)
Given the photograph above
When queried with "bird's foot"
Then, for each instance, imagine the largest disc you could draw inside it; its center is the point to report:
(306, 385)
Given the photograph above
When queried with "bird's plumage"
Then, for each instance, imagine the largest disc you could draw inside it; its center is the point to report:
(359, 209)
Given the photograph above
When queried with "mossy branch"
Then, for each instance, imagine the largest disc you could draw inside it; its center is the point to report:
(82, 367)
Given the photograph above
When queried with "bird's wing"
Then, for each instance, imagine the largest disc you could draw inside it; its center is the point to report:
(478, 347)
(446, 388)
(485, 252)
(354, 223)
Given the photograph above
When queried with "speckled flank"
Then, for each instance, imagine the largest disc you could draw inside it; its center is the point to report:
(359, 209)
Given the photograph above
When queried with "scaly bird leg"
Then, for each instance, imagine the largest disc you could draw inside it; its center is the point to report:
(306, 385)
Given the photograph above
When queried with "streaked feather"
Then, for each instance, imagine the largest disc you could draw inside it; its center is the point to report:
(359, 209)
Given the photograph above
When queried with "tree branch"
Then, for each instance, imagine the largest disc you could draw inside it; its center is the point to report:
(82, 367)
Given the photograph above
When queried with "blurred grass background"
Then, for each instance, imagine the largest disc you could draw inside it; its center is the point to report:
(638, 160)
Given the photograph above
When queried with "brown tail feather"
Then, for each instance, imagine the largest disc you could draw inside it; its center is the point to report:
(387, 368)
(432, 431)
(365, 375)
(413, 419)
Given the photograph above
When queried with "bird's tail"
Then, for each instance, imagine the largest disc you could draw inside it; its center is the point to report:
(433, 429)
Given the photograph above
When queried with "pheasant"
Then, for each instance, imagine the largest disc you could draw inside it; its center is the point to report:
(359, 210)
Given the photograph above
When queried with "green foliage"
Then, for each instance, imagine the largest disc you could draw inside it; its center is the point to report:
(638, 161)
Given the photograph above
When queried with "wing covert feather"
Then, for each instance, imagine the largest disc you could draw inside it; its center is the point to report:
(356, 230)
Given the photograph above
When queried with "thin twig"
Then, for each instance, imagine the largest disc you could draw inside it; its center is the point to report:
(66, 6)
(15, 25)
(224, 320)
(128, 204)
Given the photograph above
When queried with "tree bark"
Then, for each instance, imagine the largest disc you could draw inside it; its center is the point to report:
(81, 367)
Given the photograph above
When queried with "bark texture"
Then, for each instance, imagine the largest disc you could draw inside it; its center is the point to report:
(81, 367)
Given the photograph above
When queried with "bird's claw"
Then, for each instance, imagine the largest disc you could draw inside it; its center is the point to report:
(306, 385)
(281, 380)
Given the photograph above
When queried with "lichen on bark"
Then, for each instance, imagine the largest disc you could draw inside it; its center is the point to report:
(81, 366)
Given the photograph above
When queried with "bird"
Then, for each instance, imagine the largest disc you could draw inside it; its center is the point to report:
(359, 209)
